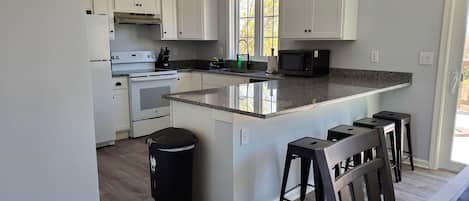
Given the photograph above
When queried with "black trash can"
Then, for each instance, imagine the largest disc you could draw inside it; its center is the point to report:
(171, 158)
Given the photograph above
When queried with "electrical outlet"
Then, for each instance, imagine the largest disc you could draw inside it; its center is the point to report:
(374, 57)
(244, 136)
(174, 52)
(426, 58)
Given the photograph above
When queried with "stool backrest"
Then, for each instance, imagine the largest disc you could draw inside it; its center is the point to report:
(367, 181)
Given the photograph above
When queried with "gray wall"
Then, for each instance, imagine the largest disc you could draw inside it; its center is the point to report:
(400, 29)
(131, 37)
(47, 150)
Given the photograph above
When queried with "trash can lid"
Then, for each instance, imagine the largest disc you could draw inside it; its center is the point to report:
(171, 138)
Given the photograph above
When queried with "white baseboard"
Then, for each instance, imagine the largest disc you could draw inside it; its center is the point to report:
(295, 194)
(419, 163)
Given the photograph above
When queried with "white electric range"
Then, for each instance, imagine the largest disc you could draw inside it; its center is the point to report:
(149, 111)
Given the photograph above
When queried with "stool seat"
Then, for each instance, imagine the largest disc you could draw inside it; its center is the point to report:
(392, 115)
(304, 147)
(343, 131)
(373, 123)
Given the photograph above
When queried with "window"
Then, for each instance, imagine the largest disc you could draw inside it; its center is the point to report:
(257, 22)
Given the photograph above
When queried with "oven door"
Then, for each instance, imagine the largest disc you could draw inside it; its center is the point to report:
(146, 96)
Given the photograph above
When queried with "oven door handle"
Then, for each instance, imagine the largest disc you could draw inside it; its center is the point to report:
(154, 78)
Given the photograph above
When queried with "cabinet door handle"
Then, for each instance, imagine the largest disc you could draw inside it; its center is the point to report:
(118, 84)
(309, 30)
(306, 30)
(180, 32)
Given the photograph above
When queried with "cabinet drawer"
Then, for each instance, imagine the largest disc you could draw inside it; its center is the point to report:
(120, 83)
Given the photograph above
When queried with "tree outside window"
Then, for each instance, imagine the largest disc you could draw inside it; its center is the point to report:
(258, 27)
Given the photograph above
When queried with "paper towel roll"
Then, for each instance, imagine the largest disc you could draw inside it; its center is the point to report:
(272, 64)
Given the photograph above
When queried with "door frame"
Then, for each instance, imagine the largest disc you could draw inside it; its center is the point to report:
(449, 54)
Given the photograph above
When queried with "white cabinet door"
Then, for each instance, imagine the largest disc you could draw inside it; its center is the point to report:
(295, 18)
(188, 82)
(190, 19)
(210, 81)
(101, 7)
(125, 6)
(121, 110)
(146, 6)
(88, 5)
(319, 19)
(169, 20)
(158, 7)
(327, 19)
(183, 82)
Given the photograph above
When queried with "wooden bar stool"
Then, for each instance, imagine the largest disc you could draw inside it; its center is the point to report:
(304, 149)
(402, 122)
(388, 128)
(341, 132)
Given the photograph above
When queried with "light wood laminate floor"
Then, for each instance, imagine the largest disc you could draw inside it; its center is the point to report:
(124, 175)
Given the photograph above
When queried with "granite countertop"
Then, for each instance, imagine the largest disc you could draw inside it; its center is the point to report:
(290, 94)
(259, 74)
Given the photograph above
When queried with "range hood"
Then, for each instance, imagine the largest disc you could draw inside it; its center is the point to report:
(131, 18)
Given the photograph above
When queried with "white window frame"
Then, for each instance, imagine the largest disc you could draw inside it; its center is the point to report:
(259, 33)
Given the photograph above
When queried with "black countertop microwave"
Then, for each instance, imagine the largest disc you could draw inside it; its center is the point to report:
(308, 63)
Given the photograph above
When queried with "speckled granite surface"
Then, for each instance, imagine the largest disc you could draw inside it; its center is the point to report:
(289, 94)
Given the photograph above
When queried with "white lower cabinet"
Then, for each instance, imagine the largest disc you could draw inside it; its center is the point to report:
(188, 82)
(193, 81)
(120, 104)
(210, 81)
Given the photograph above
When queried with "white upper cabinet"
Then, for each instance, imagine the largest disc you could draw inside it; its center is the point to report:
(319, 19)
(137, 6)
(125, 6)
(147, 6)
(88, 5)
(101, 7)
(294, 21)
(197, 19)
(169, 30)
(190, 19)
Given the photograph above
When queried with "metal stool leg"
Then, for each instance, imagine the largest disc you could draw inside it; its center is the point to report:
(286, 170)
(392, 140)
(318, 187)
(399, 145)
(409, 146)
(305, 167)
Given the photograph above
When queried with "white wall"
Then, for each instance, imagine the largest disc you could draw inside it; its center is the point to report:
(131, 37)
(47, 150)
(400, 29)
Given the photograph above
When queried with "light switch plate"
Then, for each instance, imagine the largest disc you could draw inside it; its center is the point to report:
(374, 57)
(426, 58)
(244, 135)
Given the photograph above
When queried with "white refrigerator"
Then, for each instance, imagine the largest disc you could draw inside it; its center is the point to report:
(100, 68)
